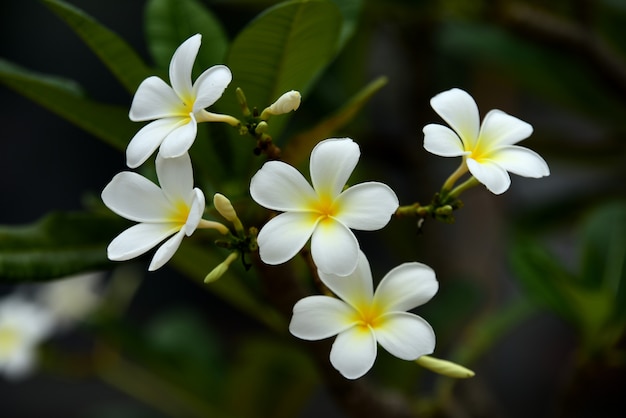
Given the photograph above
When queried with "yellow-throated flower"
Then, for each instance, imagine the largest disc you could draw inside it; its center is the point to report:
(23, 325)
(174, 208)
(325, 212)
(361, 319)
(489, 148)
(176, 110)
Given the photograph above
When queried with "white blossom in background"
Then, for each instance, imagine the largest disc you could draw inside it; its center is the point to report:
(23, 326)
(175, 208)
(489, 149)
(284, 104)
(73, 298)
(176, 110)
(326, 212)
(361, 318)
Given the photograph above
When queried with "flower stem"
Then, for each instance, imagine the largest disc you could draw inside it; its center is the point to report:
(462, 169)
(467, 184)
(204, 224)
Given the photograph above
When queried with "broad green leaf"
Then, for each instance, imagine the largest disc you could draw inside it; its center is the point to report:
(350, 10)
(603, 257)
(189, 350)
(285, 48)
(114, 52)
(543, 277)
(299, 147)
(197, 261)
(65, 98)
(58, 245)
(168, 23)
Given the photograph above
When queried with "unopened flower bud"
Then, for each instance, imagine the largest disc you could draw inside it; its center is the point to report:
(221, 268)
(285, 104)
(226, 209)
(445, 367)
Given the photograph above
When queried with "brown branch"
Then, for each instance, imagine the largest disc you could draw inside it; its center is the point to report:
(355, 397)
(563, 34)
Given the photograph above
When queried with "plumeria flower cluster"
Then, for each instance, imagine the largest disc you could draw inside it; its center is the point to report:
(174, 208)
(324, 211)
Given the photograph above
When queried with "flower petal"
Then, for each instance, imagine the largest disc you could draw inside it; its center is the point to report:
(356, 288)
(148, 139)
(134, 197)
(405, 335)
(154, 99)
(279, 186)
(284, 235)
(522, 161)
(405, 287)
(366, 206)
(332, 162)
(181, 66)
(334, 248)
(354, 351)
(319, 317)
(500, 129)
(196, 209)
(494, 177)
(138, 239)
(459, 110)
(175, 177)
(210, 86)
(443, 141)
(180, 139)
(166, 251)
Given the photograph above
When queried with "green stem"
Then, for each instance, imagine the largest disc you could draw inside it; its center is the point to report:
(462, 169)
(467, 184)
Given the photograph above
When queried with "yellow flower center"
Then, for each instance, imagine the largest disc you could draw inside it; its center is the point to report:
(368, 317)
(324, 207)
(180, 212)
(9, 338)
(480, 152)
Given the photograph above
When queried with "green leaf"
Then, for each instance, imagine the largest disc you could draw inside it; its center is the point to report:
(65, 98)
(603, 257)
(301, 145)
(168, 23)
(58, 245)
(285, 48)
(544, 278)
(350, 10)
(188, 350)
(112, 50)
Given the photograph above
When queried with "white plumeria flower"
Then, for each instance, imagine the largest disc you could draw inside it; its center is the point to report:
(325, 212)
(174, 208)
(23, 325)
(176, 110)
(487, 149)
(72, 298)
(361, 319)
